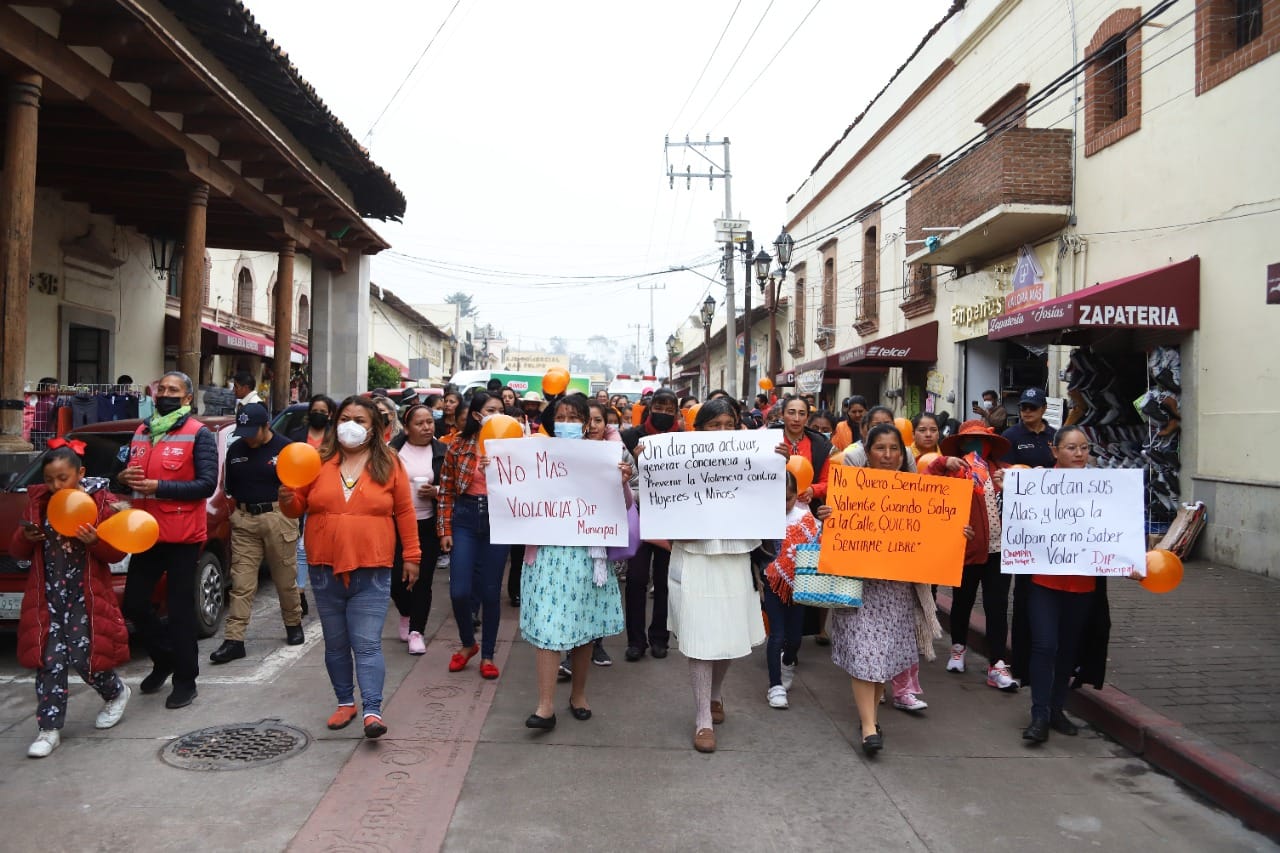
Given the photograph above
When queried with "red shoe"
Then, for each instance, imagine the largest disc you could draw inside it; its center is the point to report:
(460, 658)
(342, 717)
(488, 670)
(373, 726)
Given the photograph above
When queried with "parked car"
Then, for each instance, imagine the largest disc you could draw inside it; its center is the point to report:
(106, 451)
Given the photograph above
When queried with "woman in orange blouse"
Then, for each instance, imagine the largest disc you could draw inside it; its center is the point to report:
(354, 508)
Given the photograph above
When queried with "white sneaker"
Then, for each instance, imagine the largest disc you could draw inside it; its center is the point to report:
(778, 698)
(909, 702)
(442, 562)
(114, 710)
(788, 675)
(45, 743)
(998, 677)
(956, 664)
(416, 644)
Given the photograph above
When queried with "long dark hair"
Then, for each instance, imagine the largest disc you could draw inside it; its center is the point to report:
(382, 459)
(713, 409)
(866, 419)
(580, 406)
(472, 425)
(885, 429)
(328, 401)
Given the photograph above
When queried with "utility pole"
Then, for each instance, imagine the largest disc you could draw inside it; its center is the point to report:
(653, 353)
(749, 249)
(731, 322)
(638, 327)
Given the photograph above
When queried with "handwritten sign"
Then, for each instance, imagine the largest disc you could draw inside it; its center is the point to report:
(892, 525)
(1085, 521)
(555, 492)
(713, 485)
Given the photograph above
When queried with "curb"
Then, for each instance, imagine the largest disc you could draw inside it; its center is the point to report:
(1231, 783)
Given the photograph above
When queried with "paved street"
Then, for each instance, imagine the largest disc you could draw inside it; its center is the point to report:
(459, 771)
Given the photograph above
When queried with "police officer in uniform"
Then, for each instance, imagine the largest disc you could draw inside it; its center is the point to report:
(258, 529)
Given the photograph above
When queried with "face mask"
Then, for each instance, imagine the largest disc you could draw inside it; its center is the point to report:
(437, 413)
(168, 405)
(662, 422)
(351, 434)
(318, 420)
(827, 436)
(568, 430)
(972, 445)
(986, 404)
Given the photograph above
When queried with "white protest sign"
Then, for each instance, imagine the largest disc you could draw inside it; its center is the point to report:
(1086, 521)
(713, 485)
(548, 491)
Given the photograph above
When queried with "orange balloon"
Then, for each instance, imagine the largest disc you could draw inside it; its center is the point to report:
(802, 469)
(500, 426)
(555, 380)
(637, 414)
(1164, 571)
(132, 530)
(904, 427)
(925, 460)
(70, 508)
(691, 414)
(297, 465)
(766, 384)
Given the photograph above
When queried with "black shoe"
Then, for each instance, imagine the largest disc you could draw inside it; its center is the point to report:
(565, 672)
(1037, 732)
(658, 650)
(229, 650)
(293, 635)
(182, 696)
(633, 653)
(1061, 723)
(546, 724)
(302, 599)
(153, 682)
(579, 713)
(871, 744)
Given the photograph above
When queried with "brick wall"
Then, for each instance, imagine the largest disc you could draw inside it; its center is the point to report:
(1019, 166)
(1217, 57)
(1101, 127)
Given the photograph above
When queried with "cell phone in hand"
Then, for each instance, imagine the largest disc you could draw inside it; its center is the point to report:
(28, 525)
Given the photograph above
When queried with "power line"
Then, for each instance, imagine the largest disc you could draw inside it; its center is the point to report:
(769, 63)
(742, 52)
(413, 68)
(707, 65)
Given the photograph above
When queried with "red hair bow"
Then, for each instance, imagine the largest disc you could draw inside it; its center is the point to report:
(74, 444)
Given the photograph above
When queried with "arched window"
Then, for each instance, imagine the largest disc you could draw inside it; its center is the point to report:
(304, 315)
(244, 294)
(1113, 82)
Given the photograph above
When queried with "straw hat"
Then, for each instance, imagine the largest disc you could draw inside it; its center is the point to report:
(975, 428)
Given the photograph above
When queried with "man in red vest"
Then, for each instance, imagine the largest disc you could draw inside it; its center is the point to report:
(173, 468)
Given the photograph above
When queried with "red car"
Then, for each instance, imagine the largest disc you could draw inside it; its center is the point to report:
(106, 451)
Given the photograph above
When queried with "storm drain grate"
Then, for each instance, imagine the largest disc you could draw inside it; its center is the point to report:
(235, 746)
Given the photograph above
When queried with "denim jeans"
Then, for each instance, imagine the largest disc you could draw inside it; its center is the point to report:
(302, 554)
(786, 626)
(475, 569)
(351, 617)
(1058, 622)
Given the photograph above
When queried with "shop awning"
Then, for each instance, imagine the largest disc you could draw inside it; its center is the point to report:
(917, 345)
(1167, 298)
(258, 345)
(398, 365)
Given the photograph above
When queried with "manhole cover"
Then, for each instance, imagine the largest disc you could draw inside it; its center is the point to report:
(235, 746)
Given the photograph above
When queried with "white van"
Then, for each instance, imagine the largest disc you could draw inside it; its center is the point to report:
(633, 388)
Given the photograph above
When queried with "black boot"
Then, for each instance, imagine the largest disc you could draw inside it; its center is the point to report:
(1037, 732)
(1061, 723)
(159, 675)
(302, 599)
(229, 650)
(293, 635)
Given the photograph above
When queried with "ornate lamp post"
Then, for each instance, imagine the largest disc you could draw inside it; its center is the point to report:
(673, 350)
(708, 313)
(782, 246)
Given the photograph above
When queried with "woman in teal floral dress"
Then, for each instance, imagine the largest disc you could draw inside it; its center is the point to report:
(569, 597)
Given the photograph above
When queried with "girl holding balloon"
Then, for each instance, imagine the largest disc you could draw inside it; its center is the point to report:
(799, 440)
(70, 618)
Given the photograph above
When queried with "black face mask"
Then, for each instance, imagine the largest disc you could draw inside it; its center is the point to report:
(168, 405)
(661, 421)
(318, 420)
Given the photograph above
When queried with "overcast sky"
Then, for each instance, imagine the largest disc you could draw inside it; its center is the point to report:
(529, 140)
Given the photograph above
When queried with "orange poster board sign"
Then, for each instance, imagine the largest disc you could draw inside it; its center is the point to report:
(891, 525)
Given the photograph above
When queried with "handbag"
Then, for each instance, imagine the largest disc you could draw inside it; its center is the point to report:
(626, 552)
(818, 590)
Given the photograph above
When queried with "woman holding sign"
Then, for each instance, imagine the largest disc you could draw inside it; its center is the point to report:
(715, 612)
(875, 642)
(571, 595)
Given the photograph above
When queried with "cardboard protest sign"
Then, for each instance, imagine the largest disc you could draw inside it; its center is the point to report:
(1079, 521)
(892, 525)
(712, 485)
(555, 492)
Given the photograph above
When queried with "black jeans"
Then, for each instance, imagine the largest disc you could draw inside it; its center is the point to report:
(786, 622)
(171, 646)
(1058, 622)
(416, 603)
(995, 604)
(637, 597)
(514, 568)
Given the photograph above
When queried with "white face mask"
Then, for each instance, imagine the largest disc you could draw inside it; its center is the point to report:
(986, 404)
(351, 434)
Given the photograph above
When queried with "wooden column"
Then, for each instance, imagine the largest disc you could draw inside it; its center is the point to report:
(284, 326)
(17, 214)
(192, 283)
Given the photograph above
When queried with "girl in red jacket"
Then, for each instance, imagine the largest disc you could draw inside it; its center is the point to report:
(70, 618)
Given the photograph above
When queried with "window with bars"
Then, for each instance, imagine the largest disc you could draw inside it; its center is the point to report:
(828, 291)
(304, 315)
(1113, 81)
(206, 297)
(1248, 21)
(1231, 36)
(868, 293)
(801, 303)
(244, 294)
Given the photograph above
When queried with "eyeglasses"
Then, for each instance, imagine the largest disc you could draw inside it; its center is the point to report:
(1074, 448)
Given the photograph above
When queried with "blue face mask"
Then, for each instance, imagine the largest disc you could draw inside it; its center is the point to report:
(437, 413)
(568, 430)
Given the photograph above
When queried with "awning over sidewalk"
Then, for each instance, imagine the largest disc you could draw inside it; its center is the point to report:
(398, 365)
(1167, 298)
(230, 339)
(917, 345)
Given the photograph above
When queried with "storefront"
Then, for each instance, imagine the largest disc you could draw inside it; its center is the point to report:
(982, 364)
(1123, 374)
(398, 365)
(865, 367)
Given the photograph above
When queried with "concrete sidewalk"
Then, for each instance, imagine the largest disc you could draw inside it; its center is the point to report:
(1192, 686)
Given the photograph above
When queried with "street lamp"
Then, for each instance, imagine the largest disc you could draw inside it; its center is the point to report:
(708, 312)
(673, 350)
(782, 246)
(653, 366)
